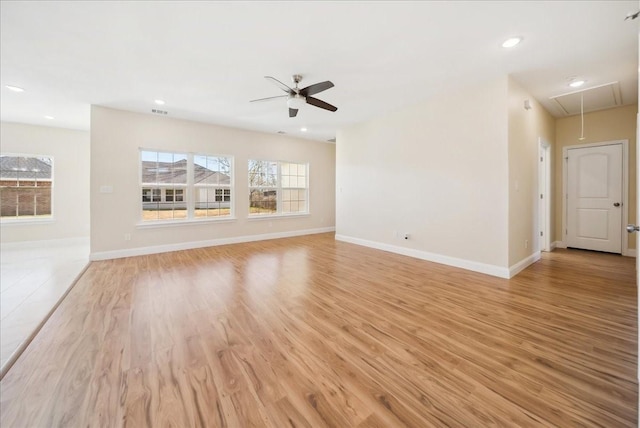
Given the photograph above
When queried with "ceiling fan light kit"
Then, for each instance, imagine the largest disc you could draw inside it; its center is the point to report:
(297, 98)
(296, 101)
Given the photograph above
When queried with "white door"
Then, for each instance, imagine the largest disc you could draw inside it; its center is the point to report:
(594, 198)
(637, 237)
(544, 191)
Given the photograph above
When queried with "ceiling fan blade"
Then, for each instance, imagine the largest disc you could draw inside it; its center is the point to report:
(293, 112)
(269, 98)
(280, 85)
(319, 103)
(315, 88)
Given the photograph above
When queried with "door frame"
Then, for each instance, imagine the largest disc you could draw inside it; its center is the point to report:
(625, 189)
(544, 195)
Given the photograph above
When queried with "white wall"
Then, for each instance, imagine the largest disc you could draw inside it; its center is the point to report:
(437, 171)
(525, 128)
(116, 137)
(70, 152)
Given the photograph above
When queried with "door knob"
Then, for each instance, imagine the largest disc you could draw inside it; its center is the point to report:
(632, 228)
(616, 204)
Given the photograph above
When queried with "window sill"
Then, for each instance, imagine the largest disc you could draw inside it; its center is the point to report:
(171, 223)
(26, 221)
(275, 216)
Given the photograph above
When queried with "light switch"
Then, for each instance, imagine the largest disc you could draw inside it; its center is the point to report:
(106, 189)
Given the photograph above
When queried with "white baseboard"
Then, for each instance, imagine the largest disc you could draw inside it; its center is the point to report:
(523, 264)
(142, 251)
(45, 243)
(558, 244)
(630, 253)
(501, 272)
(554, 245)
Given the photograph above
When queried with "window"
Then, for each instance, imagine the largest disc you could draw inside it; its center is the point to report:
(223, 195)
(212, 179)
(184, 185)
(294, 187)
(163, 173)
(177, 193)
(26, 184)
(277, 187)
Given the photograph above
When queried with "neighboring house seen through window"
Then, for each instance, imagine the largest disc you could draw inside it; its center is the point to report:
(184, 185)
(223, 195)
(278, 187)
(26, 185)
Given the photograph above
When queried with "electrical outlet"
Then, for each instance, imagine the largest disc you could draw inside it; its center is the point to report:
(127, 237)
(526, 243)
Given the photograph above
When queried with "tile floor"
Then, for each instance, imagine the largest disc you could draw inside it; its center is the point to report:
(32, 280)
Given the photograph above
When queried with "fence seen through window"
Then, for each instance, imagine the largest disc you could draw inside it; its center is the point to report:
(26, 186)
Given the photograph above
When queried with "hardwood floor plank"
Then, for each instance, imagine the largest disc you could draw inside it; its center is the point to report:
(311, 332)
(284, 414)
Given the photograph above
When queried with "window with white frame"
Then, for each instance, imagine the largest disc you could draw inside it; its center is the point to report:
(212, 181)
(185, 185)
(277, 187)
(294, 187)
(26, 186)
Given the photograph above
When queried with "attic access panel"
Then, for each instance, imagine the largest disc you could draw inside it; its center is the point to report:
(595, 98)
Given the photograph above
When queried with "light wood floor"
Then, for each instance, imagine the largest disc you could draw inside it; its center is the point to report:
(309, 332)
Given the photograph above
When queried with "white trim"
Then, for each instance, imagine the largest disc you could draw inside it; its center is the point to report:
(142, 251)
(523, 264)
(630, 253)
(544, 188)
(625, 187)
(44, 243)
(151, 224)
(255, 217)
(28, 221)
(501, 272)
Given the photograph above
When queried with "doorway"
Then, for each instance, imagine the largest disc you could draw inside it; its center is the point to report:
(544, 195)
(595, 192)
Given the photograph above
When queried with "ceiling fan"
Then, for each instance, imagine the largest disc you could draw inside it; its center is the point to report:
(296, 97)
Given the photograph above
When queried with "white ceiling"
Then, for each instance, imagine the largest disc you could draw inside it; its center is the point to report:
(208, 59)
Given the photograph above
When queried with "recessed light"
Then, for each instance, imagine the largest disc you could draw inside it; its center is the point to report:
(14, 88)
(49, 117)
(303, 129)
(576, 83)
(511, 42)
(159, 102)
